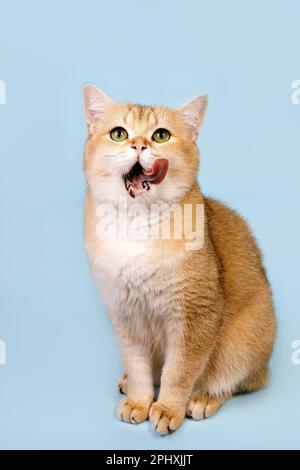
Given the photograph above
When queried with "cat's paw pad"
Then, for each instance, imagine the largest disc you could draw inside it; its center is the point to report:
(164, 418)
(132, 411)
(202, 407)
(122, 383)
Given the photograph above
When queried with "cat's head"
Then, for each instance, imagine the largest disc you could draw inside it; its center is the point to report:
(145, 153)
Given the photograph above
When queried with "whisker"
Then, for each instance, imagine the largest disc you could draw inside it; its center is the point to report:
(114, 156)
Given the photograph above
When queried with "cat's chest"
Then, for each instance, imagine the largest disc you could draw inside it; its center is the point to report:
(128, 264)
(133, 273)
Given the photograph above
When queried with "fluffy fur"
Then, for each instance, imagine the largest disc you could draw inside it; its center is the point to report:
(199, 323)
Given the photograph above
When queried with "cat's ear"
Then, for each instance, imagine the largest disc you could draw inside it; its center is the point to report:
(192, 113)
(96, 102)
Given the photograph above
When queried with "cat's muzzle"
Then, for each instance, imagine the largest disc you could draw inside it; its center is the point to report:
(138, 180)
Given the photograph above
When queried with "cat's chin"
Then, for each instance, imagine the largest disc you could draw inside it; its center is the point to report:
(138, 180)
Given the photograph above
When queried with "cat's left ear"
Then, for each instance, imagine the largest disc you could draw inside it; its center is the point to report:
(96, 102)
(192, 113)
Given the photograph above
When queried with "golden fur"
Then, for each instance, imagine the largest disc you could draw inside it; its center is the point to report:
(198, 322)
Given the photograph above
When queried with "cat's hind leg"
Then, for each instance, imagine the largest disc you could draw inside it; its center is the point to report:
(202, 405)
(255, 381)
(123, 383)
(239, 362)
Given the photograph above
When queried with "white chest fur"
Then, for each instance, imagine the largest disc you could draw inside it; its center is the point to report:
(139, 289)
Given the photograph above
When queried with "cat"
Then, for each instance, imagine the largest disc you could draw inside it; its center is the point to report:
(199, 323)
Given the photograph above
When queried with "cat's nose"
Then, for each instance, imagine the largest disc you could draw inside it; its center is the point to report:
(139, 144)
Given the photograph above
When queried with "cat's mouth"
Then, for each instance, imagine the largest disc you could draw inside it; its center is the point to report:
(138, 180)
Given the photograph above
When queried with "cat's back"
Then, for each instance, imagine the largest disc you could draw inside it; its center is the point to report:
(239, 257)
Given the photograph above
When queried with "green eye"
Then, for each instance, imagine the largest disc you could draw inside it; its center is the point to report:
(161, 135)
(118, 134)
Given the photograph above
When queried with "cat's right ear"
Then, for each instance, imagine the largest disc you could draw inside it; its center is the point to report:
(96, 102)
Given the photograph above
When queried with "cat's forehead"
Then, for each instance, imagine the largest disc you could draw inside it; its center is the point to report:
(145, 117)
(133, 114)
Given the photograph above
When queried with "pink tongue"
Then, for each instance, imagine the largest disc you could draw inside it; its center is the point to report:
(157, 172)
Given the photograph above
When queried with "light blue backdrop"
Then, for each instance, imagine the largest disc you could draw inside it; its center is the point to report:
(57, 388)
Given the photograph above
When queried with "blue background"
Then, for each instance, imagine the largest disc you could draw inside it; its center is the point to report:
(57, 388)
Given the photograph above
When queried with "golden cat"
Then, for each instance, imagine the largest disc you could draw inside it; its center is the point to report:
(197, 322)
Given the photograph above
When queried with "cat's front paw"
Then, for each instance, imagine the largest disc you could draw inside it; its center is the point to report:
(164, 418)
(132, 411)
